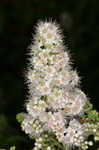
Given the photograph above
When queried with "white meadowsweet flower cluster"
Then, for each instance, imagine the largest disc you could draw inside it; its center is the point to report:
(55, 103)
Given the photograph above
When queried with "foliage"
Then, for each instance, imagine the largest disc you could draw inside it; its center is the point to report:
(90, 115)
(11, 148)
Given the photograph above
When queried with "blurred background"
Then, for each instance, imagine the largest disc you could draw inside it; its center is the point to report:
(79, 20)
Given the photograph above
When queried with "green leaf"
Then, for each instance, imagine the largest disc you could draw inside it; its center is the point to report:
(20, 117)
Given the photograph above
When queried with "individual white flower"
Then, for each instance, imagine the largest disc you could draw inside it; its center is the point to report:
(27, 124)
(74, 79)
(64, 77)
(56, 99)
(76, 103)
(94, 130)
(33, 110)
(43, 116)
(39, 145)
(90, 143)
(42, 105)
(48, 148)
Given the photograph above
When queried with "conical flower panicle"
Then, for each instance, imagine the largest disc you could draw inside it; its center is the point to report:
(53, 87)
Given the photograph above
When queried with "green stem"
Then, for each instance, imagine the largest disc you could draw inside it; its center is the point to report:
(66, 147)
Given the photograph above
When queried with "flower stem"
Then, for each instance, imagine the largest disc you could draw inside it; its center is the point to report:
(66, 147)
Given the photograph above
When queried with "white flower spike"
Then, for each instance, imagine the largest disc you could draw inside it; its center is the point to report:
(55, 98)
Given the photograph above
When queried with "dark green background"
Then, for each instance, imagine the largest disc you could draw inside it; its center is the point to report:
(79, 20)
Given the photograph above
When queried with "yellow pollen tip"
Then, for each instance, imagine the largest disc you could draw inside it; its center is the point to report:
(49, 35)
(42, 83)
(44, 30)
(57, 94)
(48, 70)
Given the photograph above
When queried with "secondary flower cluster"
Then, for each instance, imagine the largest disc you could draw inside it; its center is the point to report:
(55, 102)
